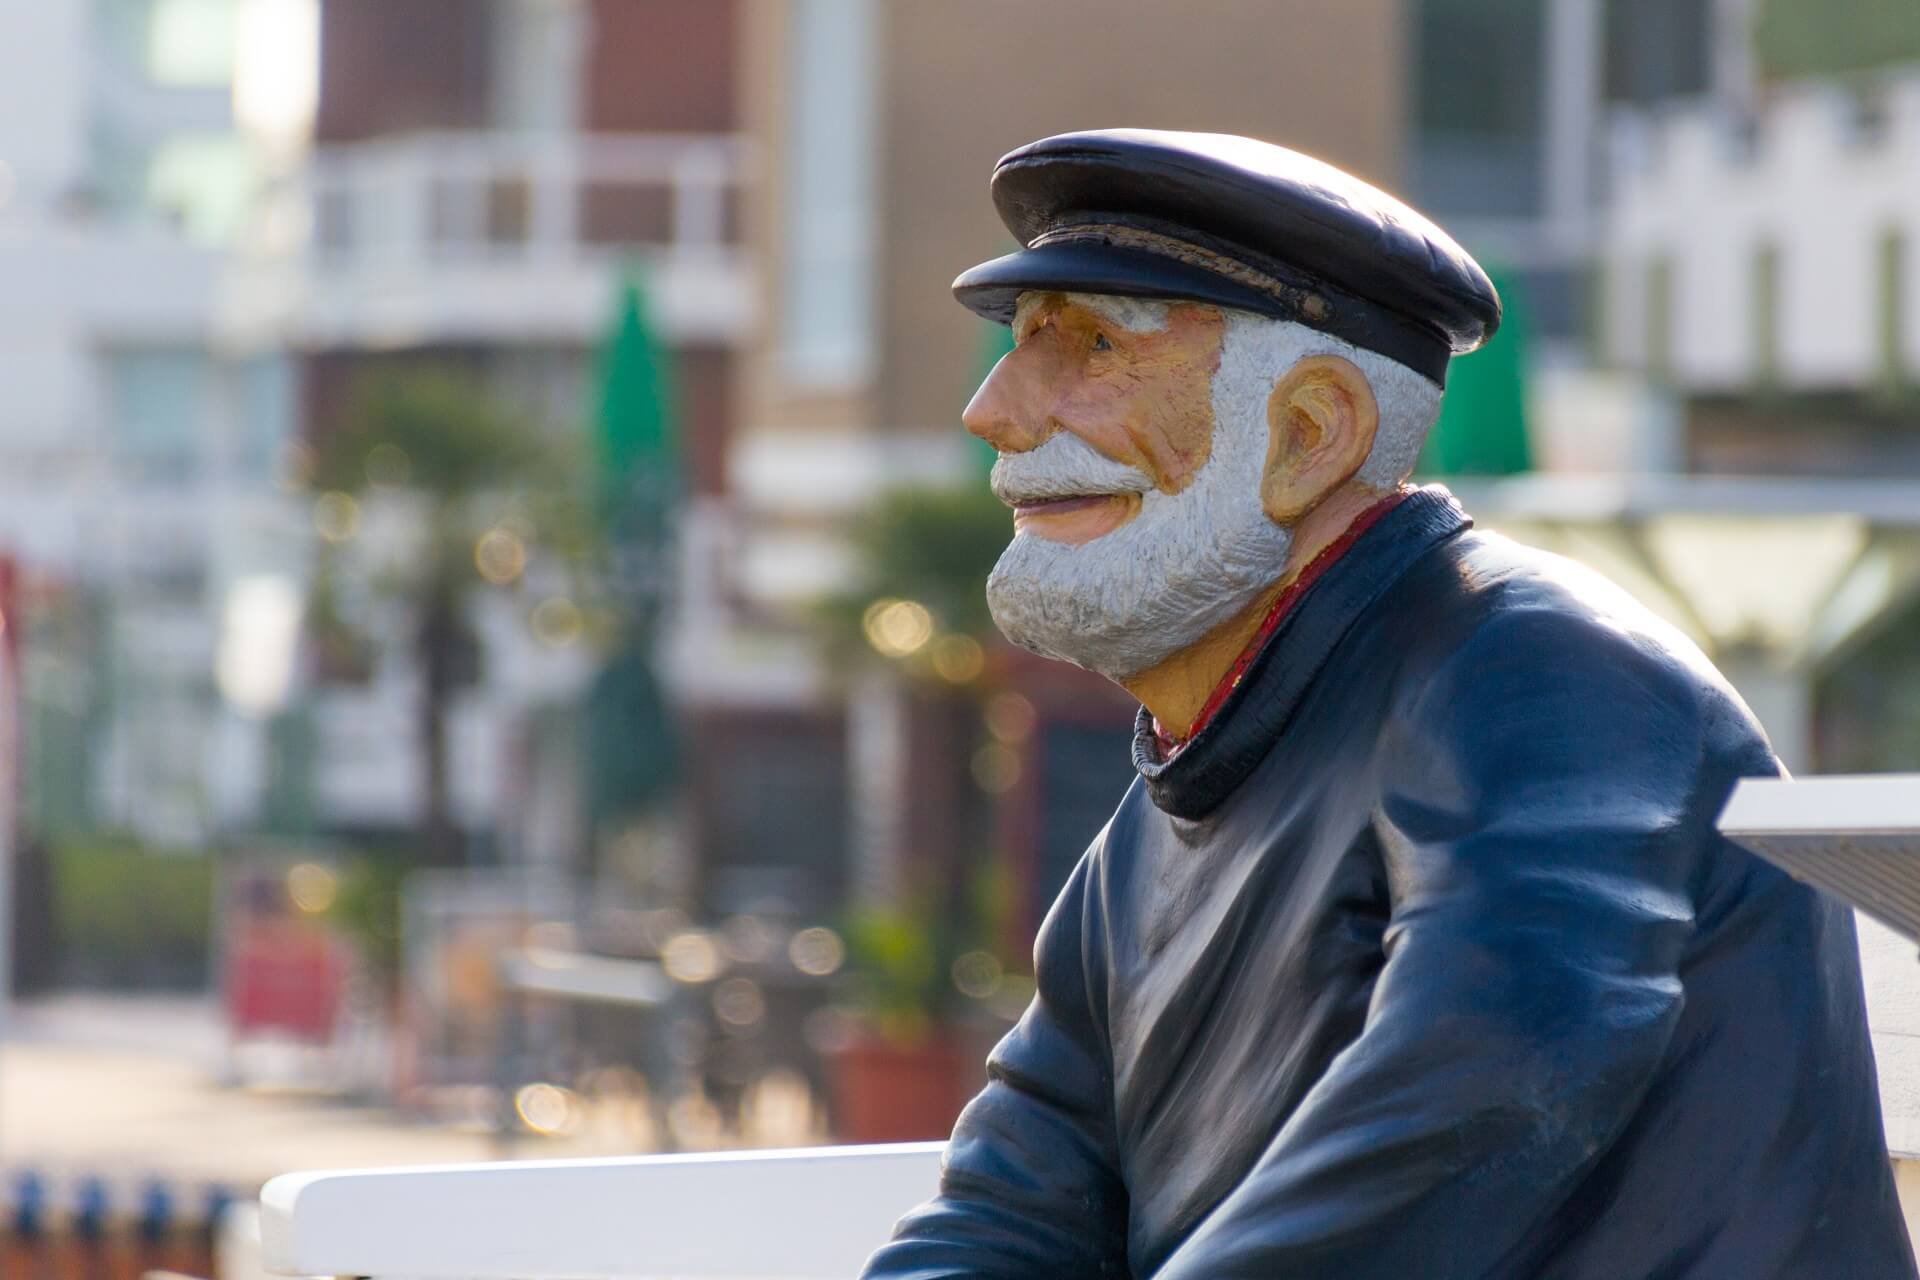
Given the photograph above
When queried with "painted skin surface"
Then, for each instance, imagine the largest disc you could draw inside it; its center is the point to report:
(1141, 399)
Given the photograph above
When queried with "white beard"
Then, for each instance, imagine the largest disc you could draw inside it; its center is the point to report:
(1187, 562)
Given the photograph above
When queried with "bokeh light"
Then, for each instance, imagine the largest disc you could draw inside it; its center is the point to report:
(817, 952)
(896, 628)
(388, 465)
(747, 939)
(500, 556)
(556, 622)
(739, 1002)
(336, 516)
(312, 888)
(548, 1108)
(1011, 717)
(957, 659)
(996, 768)
(692, 957)
(976, 974)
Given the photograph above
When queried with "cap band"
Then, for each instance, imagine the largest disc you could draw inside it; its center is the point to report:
(1311, 307)
(1294, 294)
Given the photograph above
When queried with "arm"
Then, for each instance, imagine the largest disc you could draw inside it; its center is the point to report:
(1029, 1187)
(1541, 828)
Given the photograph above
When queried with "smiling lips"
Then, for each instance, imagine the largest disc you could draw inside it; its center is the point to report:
(1075, 520)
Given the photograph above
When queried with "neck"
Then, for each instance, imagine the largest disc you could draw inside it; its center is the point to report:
(1177, 689)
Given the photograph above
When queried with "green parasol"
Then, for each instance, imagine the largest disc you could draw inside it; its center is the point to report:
(628, 724)
(1482, 429)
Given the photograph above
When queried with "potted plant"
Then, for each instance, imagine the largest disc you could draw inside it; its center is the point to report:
(906, 1067)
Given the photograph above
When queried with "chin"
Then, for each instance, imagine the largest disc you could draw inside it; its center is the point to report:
(1124, 603)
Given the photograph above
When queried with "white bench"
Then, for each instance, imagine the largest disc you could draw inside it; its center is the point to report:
(772, 1215)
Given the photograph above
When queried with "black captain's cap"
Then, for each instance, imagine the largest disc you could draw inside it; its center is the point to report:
(1210, 217)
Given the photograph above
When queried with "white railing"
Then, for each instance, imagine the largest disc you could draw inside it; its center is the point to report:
(493, 195)
(496, 237)
(777, 1215)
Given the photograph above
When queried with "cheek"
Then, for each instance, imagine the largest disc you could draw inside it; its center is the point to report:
(1161, 424)
(1173, 419)
(1103, 412)
(1156, 415)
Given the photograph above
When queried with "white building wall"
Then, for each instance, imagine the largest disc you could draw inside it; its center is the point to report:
(1814, 178)
(43, 87)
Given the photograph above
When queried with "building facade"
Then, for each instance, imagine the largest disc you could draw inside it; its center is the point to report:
(137, 482)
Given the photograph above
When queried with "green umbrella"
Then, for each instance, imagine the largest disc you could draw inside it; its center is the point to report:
(1482, 429)
(632, 749)
(636, 441)
(628, 724)
(636, 447)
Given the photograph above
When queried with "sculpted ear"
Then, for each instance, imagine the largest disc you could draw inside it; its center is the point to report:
(1321, 418)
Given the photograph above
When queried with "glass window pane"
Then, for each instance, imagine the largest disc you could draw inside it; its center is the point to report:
(156, 400)
(1477, 141)
(266, 415)
(826, 309)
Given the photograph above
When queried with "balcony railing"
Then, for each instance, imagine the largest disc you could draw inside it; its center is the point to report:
(495, 237)
(467, 195)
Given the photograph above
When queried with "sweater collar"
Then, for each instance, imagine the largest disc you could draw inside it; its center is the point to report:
(1266, 686)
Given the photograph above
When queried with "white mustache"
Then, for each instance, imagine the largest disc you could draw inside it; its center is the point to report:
(1062, 466)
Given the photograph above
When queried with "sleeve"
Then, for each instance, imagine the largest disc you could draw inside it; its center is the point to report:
(1029, 1185)
(1542, 840)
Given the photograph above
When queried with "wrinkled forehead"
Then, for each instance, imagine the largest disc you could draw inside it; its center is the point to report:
(1136, 315)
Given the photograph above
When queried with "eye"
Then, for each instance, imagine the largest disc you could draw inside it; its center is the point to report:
(1100, 342)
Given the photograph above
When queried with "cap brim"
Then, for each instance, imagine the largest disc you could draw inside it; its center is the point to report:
(993, 288)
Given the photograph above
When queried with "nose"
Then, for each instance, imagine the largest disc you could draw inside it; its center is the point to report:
(1009, 411)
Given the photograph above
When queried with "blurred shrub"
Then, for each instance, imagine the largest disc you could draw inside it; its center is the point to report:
(898, 958)
(916, 969)
(131, 916)
(934, 546)
(367, 911)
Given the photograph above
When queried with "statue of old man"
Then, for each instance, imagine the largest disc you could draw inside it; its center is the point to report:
(1413, 950)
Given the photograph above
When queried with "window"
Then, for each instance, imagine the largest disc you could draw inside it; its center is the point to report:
(1658, 49)
(156, 402)
(1477, 143)
(826, 314)
(265, 405)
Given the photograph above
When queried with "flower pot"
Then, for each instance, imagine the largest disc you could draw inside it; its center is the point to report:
(883, 1092)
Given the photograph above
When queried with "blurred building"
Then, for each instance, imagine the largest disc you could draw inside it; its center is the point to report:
(483, 176)
(1757, 272)
(136, 454)
(1759, 256)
